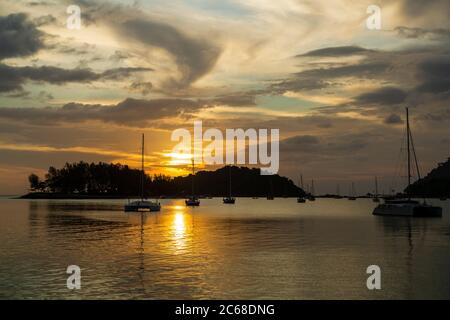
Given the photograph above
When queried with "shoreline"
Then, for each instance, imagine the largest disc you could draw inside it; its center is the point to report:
(65, 196)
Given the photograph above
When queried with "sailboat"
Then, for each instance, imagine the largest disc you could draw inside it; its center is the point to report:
(192, 201)
(375, 198)
(229, 199)
(408, 207)
(311, 196)
(352, 195)
(301, 199)
(142, 205)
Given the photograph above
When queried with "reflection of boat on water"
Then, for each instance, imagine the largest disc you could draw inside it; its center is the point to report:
(143, 204)
(408, 207)
(192, 201)
(229, 199)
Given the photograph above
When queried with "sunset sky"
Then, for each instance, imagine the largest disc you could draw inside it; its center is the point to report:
(312, 69)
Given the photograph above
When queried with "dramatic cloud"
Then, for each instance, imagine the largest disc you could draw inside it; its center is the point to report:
(334, 89)
(320, 78)
(335, 51)
(416, 33)
(326, 146)
(393, 119)
(435, 75)
(384, 96)
(132, 112)
(194, 57)
(12, 78)
(236, 100)
(18, 36)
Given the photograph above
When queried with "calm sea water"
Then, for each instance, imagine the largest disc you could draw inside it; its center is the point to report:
(256, 249)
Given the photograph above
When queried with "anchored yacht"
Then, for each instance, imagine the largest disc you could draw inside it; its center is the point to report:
(408, 207)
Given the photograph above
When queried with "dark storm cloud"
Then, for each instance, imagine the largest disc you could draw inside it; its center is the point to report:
(335, 51)
(12, 78)
(128, 112)
(384, 96)
(18, 36)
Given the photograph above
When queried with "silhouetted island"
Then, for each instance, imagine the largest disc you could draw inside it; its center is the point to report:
(103, 180)
(435, 184)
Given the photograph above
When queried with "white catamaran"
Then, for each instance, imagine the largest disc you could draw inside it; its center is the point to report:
(143, 204)
(408, 207)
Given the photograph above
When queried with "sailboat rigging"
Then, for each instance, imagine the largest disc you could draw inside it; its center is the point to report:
(142, 204)
(229, 199)
(192, 201)
(408, 207)
(375, 197)
(301, 198)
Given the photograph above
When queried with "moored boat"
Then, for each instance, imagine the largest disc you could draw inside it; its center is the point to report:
(142, 204)
(408, 207)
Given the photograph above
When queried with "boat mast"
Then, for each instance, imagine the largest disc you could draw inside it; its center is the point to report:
(376, 187)
(193, 174)
(301, 184)
(229, 185)
(408, 145)
(142, 170)
(312, 187)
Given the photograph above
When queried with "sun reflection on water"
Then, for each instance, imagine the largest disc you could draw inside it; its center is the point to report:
(179, 232)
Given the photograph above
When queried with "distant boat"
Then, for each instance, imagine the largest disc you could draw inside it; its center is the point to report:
(301, 199)
(192, 201)
(443, 199)
(142, 205)
(229, 199)
(408, 207)
(352, 195)
(375, 198)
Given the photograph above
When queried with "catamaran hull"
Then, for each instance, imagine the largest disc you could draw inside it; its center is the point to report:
(142, 207)
(407, 211)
